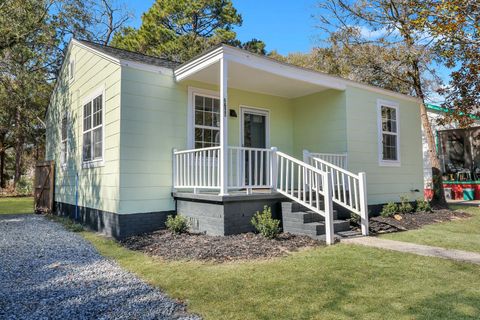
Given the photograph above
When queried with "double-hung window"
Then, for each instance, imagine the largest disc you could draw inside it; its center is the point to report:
(64, 141)
(389, 144)
(93, 129)
(206, 121)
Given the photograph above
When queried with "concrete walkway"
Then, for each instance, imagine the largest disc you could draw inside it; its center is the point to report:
(422, 250)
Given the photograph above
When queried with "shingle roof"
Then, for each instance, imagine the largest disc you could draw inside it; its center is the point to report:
(130, 55)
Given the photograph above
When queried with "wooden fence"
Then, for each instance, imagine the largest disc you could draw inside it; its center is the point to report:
(44, 186)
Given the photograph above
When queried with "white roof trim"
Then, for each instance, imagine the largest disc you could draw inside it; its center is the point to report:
(279, 68)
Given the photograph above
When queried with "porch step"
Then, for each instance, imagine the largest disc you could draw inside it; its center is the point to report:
(299, 220)
(314, 229)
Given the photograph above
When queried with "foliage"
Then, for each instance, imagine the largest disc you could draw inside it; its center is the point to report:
(355, 219)
(423, 206)
(68, 223)
(455, 27)
(181, 29)
(389, 209)
(177, 224)
(265, 224)
(405, 205)
(25, 186)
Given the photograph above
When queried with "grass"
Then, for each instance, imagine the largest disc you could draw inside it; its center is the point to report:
(15, 205)
(337, 282)
(460, 234)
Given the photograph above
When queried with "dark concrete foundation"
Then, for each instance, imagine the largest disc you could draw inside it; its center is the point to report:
(116, 225)
(225, 215)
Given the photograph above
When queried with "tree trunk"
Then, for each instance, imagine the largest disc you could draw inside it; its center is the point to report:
(2, 169)
(18, 162)
(438, 199)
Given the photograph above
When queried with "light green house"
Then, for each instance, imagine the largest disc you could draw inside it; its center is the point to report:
(135, 138)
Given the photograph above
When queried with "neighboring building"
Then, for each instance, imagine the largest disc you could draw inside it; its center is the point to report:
(459, 154)
(115, 118)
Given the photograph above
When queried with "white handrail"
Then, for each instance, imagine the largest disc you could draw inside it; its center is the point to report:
(349, 189)
(300, 182)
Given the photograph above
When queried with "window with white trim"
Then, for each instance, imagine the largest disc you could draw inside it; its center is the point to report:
(206, 121)
(64, 141)
(93, 129)
(389, 133)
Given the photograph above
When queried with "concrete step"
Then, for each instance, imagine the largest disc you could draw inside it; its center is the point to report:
(313, 228)
(306, 216)
(298, 207)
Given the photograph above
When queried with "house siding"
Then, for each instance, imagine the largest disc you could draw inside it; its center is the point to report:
(320, 123)
(384, 183)
(97, 187)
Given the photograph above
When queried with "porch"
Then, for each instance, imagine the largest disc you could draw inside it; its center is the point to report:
(213, 167)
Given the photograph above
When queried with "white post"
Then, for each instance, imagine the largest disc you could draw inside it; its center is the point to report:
(223, 126)
(327, 189)
(306, 156)
(174, 169)
(362, 181)
(274, 168)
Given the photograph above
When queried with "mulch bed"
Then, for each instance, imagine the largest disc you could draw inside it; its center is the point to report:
(410, 221)
(190, 246)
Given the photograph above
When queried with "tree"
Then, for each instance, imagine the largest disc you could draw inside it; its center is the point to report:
(390, 24)
(181, 29)
(455, 25)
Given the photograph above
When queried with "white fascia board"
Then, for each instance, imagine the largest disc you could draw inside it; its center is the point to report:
(145, 67)
(281, 69)
(198, 64)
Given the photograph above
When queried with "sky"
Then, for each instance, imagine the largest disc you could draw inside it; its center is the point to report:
(284, 25)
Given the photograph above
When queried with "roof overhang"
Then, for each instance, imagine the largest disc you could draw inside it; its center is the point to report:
(251, 72)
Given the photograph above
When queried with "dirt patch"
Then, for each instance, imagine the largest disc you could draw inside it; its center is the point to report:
(410, 221)
(189, 246)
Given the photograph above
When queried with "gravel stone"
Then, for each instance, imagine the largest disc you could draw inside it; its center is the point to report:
(47, 272)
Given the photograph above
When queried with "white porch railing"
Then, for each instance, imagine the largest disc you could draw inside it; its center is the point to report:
(349, 189)
(337, 159)
(249, 168)
(300, 182)
(197, 168)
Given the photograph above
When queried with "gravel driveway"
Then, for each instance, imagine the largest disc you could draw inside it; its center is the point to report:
(47, 272)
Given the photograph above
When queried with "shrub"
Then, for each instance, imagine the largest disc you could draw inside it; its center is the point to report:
(405, 205)
(24, 186)
(265, 224)
(177, 224)
(355, 219)
(389, 209)
(423, 206)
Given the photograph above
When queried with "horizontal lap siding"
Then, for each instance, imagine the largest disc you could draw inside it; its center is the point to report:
(384, 184)
(320, 123)
(153, 121)
(97, 187)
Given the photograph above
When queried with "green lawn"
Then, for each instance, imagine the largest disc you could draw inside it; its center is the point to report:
(16, 205)
(460, 234)
(337, 282)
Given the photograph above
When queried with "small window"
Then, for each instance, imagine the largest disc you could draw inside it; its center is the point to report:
(207, 121)
(93, 129)
(388, 134)
(64, 141)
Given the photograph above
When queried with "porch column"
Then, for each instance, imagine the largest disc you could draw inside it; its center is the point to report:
(223, 126)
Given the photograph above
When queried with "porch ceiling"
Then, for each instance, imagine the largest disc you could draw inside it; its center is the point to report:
(255, 73)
